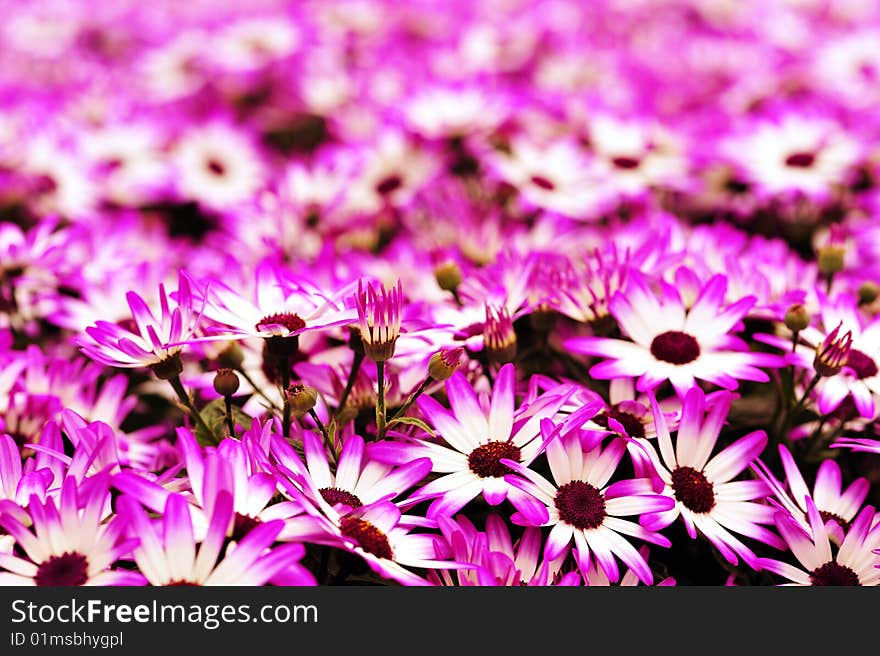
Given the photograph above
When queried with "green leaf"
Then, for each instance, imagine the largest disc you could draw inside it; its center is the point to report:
(412, 421)
(214, 415)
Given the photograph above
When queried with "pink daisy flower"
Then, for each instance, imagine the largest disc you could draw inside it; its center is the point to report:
(583, 508)
(855, 562)
(71, 544)
(480, 434)
(706, 496)
(167, 553)
(675, 343)
(157, 340)
(836, 507)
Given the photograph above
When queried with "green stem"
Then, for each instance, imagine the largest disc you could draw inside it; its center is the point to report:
(194, 413)
(323, 429)
(229, 423)
(257, 389)
(803, 400)
(380, 401)
(349, 384)
(412, 399)
(284, 370)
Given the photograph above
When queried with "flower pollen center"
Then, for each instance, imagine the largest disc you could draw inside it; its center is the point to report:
(289, 320)
(244, 524)
(626, 163)
(370, 538)
(800, 160)
(632, 424)
(580, 504)
(542, 182)
(693, 489)
(389, 184)
(215, 166)
(827, 517)
(484, 461)
(70, 568)
(675, 347)
(862, 364)
(334, 495)
(833, 573)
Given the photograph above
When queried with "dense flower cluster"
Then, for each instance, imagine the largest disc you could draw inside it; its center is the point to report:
(440, 293)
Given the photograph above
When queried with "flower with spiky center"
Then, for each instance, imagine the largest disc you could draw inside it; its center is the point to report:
(379, 313)
(706, 496)
(274, 304)
(671, 342)
(71, 544)
(582, 507)
(477, 443)
(444, 363)
(833, 353)
(848, 357)
(837, 508)
(497, 559)
(167, 553)
(854, 563)
(158, 342)
(499, 338)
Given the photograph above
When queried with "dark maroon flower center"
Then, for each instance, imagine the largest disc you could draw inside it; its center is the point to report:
(181, 583)
(289, 320)
(693, 489)
(389, 184)
(244, 524)
(484, 461)
(736, 186)
(69, 568)
(542, 182)
(632, 424)
(676, 347)
(580, 504)
(370, 538)
(862, 364)
(827, 516)
(627, 163)
(800, 160)
(833, 573)
(334, 495)
(215, 166)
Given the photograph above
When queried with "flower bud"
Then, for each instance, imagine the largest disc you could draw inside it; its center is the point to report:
(444, 363)
(301, 399)
(448, 276)
(868, 293)
(231, 357)
(830, 259)
(226, 382)
(796, 318)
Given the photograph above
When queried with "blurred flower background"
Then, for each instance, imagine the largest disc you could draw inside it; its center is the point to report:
(374, 292)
